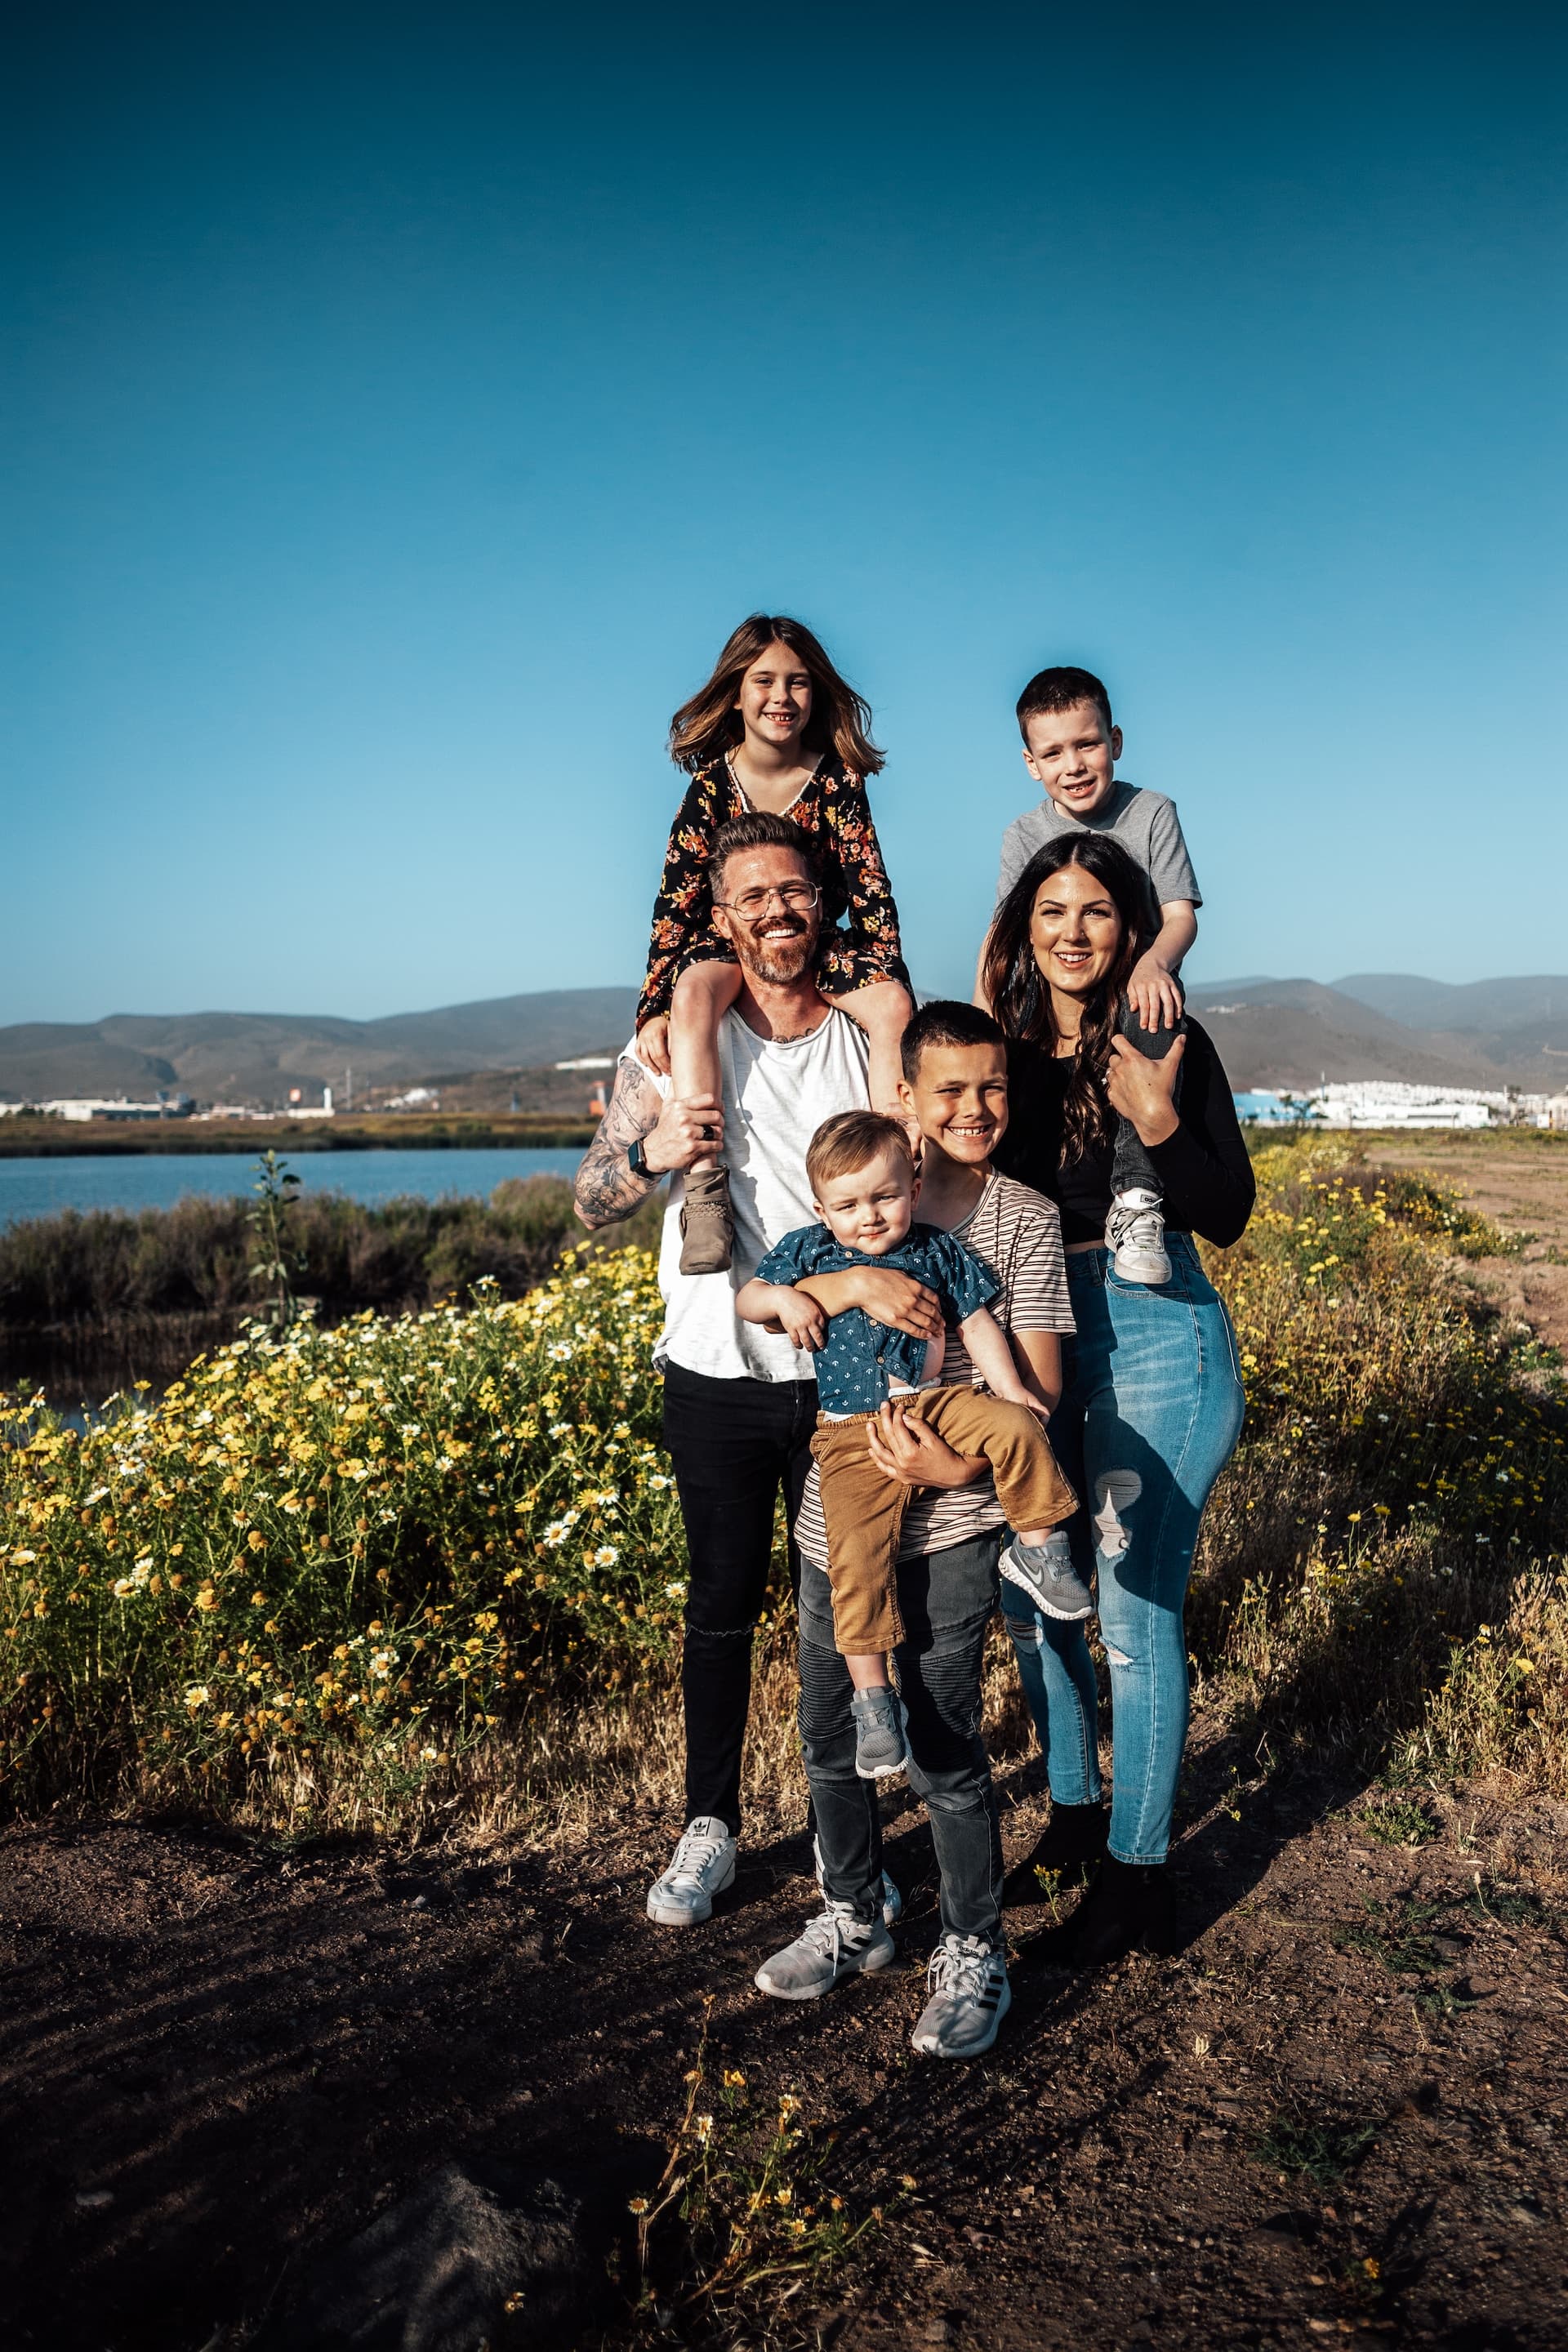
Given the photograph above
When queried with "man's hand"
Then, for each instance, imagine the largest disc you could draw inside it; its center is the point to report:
(653, 1044)
(887, 1296)
(1141, 1090)
(687, 1127)
(916, 1456)
(673, 1134)
(1153, 992)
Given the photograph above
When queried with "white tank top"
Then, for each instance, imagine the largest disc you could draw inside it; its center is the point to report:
(776, 1094)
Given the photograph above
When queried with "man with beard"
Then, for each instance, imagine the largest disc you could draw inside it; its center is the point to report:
(739, 1401)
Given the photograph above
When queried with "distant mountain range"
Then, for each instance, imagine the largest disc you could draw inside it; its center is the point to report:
(1270, 1032)
(1483, 1032)
(256, 1057)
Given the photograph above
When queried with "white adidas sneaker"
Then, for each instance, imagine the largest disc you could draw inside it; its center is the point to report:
(970, 1996)
(830, 1948)
(702, 1866)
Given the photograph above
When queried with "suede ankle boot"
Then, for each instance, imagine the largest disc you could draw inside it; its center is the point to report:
(1072, 1844)
(707, 1221)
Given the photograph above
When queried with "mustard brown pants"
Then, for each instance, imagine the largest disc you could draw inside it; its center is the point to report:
(865, 1511)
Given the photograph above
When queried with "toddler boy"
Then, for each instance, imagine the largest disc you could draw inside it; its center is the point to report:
(863, 1187)
(1070, 748)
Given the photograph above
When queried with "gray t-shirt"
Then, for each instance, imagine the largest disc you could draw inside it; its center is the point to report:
(1145, 823)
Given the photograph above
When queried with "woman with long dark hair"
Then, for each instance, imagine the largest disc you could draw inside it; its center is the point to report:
(1152, 1401)
(776, 729)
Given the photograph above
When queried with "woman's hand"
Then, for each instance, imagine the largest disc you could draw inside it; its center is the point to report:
(653, 1044)
(887, 1296)
(916, 1456)
(1141, 1090)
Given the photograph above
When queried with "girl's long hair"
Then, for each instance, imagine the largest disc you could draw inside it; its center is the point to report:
(1021, 999)
(840, 718)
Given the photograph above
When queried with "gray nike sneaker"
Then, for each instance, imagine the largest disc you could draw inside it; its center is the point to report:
(892, 1901)
(970, 1996)
(831, 1947)
(1046, 1572)
(880, 1749)
(702, 1866)
(1135, 1236)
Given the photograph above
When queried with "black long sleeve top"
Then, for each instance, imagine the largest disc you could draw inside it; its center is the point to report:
(1203, 1170)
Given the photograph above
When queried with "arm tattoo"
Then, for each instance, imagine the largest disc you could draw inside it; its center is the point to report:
(606, 1190)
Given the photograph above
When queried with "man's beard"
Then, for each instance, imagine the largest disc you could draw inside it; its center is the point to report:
(779, 961)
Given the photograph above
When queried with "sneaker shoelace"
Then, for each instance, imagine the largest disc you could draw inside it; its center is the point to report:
(692, 1856)
(961, 1968)
(1139, 1225)
(830, 1930)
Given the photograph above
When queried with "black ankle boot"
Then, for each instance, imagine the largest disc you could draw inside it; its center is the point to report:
(1073, 1843)
(1129, 1904)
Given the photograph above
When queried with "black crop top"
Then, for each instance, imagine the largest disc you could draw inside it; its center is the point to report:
(1203, 1170)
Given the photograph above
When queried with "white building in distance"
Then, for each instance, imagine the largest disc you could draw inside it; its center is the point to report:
(1387, 1102)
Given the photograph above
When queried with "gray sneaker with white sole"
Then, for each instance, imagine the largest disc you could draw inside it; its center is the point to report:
(1046, 1572)
(880, 1750)
(702, 1866)
(830, 1948)
(970, 1996)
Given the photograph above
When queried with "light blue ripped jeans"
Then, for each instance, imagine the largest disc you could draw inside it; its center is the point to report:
(1152, 1407)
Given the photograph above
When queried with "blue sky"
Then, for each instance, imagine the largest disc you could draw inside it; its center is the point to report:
(404, 402)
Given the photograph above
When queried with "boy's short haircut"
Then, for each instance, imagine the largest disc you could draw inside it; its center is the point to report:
(760, 829)
(1058, 689)
(849, 1142)
(945, 1022)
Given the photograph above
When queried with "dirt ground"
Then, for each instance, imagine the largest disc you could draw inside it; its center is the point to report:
(1518, 1178)
(1338, 2112)
(248, 2053)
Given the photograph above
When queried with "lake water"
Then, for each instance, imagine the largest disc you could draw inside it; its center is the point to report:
(39, 1188)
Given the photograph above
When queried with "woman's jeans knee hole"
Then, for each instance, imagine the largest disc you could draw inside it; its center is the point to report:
(1150, 1411)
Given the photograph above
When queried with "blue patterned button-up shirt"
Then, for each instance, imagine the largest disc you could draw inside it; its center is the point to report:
(861, 1360)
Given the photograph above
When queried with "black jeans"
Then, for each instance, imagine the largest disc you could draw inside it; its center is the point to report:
(1131, 1170)
(734, 1443)
(947, 1601)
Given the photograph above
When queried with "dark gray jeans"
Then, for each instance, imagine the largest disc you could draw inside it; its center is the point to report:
(1131, 1170)
(947, 1601)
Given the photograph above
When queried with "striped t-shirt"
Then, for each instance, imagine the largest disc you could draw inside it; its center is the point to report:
(1018, 1234)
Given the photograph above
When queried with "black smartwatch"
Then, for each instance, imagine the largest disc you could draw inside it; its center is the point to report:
(637, 1161)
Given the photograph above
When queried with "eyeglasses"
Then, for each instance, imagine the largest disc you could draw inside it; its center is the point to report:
(795, 898)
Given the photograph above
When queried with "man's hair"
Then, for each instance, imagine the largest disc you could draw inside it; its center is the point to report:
(1058, 689)
(849, 1142)
(759, 830)
(945, 1022)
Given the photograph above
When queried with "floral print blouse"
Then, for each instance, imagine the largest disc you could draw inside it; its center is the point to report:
(833, 809)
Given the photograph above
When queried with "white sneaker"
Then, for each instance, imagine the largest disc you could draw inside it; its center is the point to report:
(970, 1996)
(892, 1901)
(831, 1947)
(1135, 1236)
(702, 1866)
